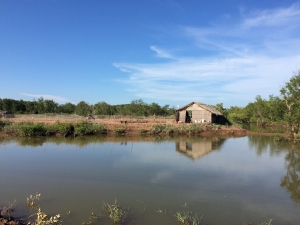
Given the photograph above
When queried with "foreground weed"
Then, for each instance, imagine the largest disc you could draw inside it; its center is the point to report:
(44, 219)
(92, 218)
(116, 214)
(41, 217)
(31, 200)
(7, 211)
(269, 222)
(187, 218)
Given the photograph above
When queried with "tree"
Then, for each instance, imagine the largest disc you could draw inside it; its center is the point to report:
(291, 96)
(83, 109)
(50, 106)
(68, 108)
(102, 108)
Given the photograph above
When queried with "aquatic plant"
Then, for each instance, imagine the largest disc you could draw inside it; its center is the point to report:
(187, 218)
(7, 211)
(92, 218)
(31, 200)
(116, 214)
(44, 219)
(41, 217)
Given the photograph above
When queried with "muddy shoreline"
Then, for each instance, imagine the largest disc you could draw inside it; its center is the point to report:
(137, 127)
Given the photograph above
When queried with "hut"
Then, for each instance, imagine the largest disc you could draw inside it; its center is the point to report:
(5, 114)
(198, 112)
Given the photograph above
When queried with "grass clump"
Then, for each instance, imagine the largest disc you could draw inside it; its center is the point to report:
(119, 130)
(83, 128)
(62, 128)
(116, 214)
(27, 129)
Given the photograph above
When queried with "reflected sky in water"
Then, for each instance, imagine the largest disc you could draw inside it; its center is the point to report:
(238, 179)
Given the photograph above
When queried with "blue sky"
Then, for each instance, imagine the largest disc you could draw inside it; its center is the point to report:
(164, 51)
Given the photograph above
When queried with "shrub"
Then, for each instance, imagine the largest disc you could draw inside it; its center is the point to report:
(32, 130)
(62, 128)
(83, 127)
(4, 123)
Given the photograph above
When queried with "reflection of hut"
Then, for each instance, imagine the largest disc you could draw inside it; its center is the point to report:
(198, 148)
(5, 114)
(197, 112)
(194, 150)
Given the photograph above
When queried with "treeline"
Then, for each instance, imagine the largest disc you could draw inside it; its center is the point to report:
(261, 111)
(41, 106)
(284, 109)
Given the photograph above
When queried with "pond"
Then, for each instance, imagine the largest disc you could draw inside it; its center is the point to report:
(225, 181)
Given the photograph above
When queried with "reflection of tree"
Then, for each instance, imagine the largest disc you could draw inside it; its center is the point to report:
(291, 181)
(263, 144)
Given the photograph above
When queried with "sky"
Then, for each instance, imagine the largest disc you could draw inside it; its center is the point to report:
(164, 51)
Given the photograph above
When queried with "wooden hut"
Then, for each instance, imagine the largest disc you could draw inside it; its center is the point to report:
(5, 114)
(198, 112)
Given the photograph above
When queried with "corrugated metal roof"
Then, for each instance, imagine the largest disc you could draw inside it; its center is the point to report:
(202, 105)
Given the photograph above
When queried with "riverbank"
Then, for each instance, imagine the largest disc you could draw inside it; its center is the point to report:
(125, 126)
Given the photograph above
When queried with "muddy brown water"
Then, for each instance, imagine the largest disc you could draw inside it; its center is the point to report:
(249, 179)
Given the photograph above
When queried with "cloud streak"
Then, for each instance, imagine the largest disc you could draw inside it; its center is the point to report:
(239, 63)
(48, 97)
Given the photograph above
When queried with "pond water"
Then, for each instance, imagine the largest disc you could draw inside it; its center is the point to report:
(226, 181)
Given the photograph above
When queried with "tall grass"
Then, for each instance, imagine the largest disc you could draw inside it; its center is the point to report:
(29, 129)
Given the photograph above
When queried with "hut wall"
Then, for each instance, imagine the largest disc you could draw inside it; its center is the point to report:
(199, 114)
(182, 115)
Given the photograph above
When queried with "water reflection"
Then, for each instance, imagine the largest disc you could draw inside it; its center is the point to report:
(291, 181)
(252, 177)
(196, 148)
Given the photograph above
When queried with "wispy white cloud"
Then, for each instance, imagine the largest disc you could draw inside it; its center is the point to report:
(48, 97)
(161, 53)
(239, 62)
(275, 17)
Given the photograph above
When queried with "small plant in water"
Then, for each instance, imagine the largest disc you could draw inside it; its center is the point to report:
(187, 218)
(41, 217)
(116, 214)
(31, 200)
(44, 219)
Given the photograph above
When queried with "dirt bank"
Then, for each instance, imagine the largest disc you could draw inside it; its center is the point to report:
(145, 126)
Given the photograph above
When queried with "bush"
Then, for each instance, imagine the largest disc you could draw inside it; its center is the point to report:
(62, 128)
(32, 130)
(4, 123)
(82, 128)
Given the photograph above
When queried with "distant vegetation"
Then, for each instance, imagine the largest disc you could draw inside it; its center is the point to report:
(41, 106)
(284, 109)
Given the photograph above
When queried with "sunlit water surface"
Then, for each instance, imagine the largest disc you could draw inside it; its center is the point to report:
(226, 181)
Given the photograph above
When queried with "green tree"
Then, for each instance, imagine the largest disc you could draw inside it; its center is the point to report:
(68, 108)
(83, 109)
(291, 96)
(50, 106)
(102, 108)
